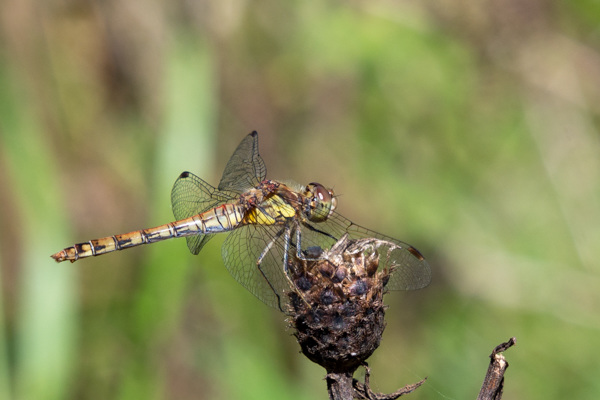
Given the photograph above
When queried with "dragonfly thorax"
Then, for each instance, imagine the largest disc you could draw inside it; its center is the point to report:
(319, 202)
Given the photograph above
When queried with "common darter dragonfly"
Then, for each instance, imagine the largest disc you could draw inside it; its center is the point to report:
(268, 222)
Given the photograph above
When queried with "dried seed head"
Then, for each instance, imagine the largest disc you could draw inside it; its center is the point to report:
(337, 308)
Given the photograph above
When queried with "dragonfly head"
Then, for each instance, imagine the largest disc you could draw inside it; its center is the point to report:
(319, 202)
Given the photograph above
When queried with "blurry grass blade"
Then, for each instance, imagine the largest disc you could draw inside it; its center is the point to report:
(4, 376)
(46, 317)
(185, 144)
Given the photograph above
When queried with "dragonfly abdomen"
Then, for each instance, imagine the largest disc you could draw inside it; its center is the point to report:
(220, 219)
(109, 244)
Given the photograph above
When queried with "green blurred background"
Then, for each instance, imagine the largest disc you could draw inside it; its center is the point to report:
(468, 129)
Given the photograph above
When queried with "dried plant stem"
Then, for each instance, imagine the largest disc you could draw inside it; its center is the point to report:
(493, 383)
(339, 386)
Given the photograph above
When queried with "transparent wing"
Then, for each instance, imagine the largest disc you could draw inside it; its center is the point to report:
(410, 269)
(244, 246)
(191, 196)
(241, 251)
(246, 168)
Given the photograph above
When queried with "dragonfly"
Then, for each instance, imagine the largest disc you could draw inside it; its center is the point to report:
(267, 221)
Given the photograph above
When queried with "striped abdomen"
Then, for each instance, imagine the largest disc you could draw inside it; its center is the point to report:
(221, 219)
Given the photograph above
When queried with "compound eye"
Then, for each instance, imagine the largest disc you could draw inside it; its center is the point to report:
(322, 202)
(321, 193)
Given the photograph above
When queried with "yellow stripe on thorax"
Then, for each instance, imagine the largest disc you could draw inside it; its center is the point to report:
(272, 211)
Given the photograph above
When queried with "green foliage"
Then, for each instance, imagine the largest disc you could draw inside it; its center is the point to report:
(468, 131)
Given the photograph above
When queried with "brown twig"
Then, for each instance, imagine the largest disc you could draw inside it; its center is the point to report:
(339, 385)
(493, 383)
(363, 390)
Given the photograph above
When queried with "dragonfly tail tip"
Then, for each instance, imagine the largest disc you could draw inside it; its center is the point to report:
(58, 257)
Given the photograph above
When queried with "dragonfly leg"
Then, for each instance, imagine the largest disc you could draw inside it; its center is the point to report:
(299, 252)
(299, 245)
(286, 251)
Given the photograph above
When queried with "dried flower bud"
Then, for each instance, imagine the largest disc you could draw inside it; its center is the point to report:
(337, 308)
